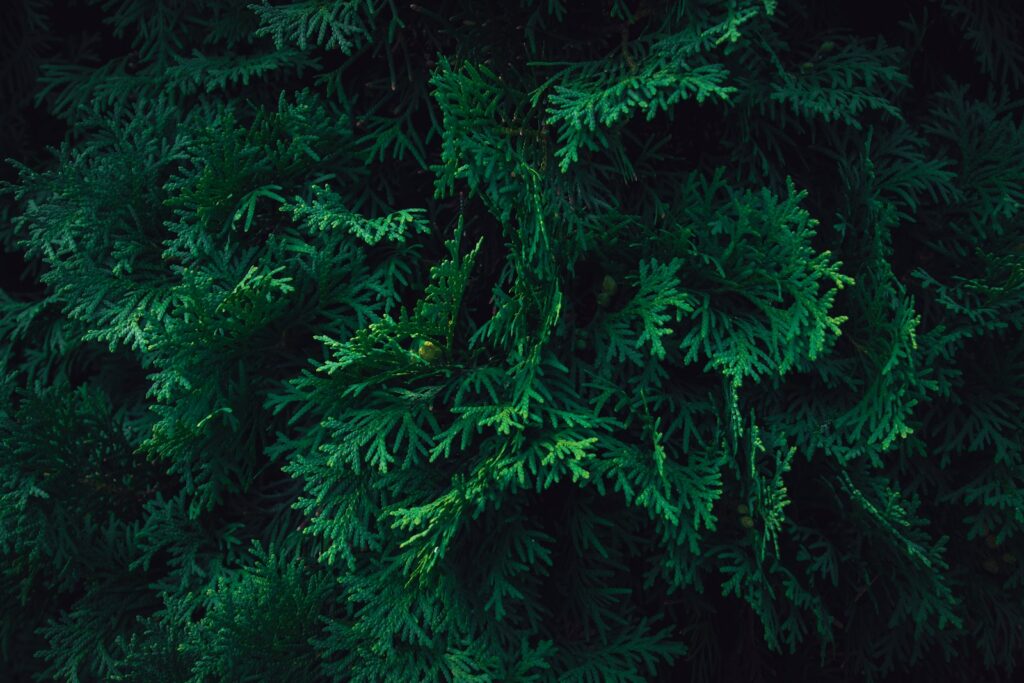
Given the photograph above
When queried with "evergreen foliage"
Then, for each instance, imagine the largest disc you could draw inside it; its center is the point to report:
(536, 340)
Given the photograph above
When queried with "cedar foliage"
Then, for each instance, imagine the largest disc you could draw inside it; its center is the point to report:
(535, 340)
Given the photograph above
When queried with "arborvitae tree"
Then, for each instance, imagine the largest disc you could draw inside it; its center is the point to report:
(533, 340)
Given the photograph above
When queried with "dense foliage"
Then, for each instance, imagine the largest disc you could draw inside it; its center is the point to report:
(533, 340)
